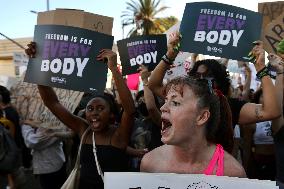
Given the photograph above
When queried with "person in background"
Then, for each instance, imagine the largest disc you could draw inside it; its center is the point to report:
(146, 134)
(11, 114)
(278, 124)
(9, 125)
(261, 160)
(245, 92)
(48, 156)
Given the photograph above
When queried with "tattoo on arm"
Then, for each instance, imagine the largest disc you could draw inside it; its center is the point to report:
(258, 112)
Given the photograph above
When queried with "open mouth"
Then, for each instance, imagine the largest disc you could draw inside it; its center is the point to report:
(94, 122)
(166, 124)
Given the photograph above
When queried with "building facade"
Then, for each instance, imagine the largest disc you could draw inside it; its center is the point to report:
(7, 50)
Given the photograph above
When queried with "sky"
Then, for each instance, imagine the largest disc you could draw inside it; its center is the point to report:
(17, 20)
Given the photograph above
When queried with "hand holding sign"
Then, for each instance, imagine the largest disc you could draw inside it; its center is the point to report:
(110, 56)
(174, 45)
(259, 53)
(31, 50)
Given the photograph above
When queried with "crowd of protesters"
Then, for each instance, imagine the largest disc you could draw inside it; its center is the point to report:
(184, 126)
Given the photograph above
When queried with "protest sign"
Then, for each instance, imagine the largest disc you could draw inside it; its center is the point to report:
(147, 50)
(270, 11)
(182, 60)
(181, 66)
(76, 18)
(218, 29)
(66, 58)
(27, 101)
(172, 30)
(273, 34)
(180, 181)
(20, 59)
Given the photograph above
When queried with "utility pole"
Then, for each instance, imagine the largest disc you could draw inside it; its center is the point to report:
(47, 5)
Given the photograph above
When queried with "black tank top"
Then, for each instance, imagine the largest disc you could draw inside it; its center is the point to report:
(111, 159)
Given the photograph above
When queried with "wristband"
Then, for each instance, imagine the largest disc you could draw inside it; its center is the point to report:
(166, 59)
(263, 72)
(278, 73)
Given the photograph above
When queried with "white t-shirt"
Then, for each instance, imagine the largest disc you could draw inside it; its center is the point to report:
(263, 133)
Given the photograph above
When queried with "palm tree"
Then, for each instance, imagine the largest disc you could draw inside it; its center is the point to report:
(142, 14)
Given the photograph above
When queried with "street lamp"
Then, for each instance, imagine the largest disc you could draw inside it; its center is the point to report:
(32, 11)
(47, 8)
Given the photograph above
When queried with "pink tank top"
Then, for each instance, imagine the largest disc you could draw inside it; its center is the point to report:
(217, 160)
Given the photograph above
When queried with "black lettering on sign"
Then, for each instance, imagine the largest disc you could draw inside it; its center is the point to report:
(99, 26)
(272, 10)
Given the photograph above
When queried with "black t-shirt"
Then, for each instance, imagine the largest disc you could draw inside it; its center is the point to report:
(110, 158)
(236, 106)
(279, 154)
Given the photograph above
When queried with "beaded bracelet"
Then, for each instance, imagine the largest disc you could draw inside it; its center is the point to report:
(166, 59)
(263, 72)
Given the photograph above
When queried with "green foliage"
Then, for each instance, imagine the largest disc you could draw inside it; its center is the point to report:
(280, 47)
(142, 15)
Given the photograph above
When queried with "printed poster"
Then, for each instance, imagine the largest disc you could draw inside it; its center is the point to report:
(219, 30)
(66, 58)
(273, 34)
(147, 50)
(181, 181)
(27, 101)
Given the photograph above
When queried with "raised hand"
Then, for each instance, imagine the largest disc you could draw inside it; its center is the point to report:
(173, 45)
(144, 73)
(31, 50)
(259, 54)
(109, 57)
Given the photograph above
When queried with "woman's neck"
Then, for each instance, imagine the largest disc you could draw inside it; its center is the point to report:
(194, 152)
(102, 136)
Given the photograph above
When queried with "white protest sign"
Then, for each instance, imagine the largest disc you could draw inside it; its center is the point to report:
(182, 61)
(26, 99)
(180, 181)
(20, 59)
(181, 65)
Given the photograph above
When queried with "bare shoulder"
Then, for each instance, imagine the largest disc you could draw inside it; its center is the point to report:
(151, 161)
(232, 167)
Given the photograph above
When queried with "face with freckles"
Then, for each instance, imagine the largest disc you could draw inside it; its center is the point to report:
(179, 115)
(98, 114)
